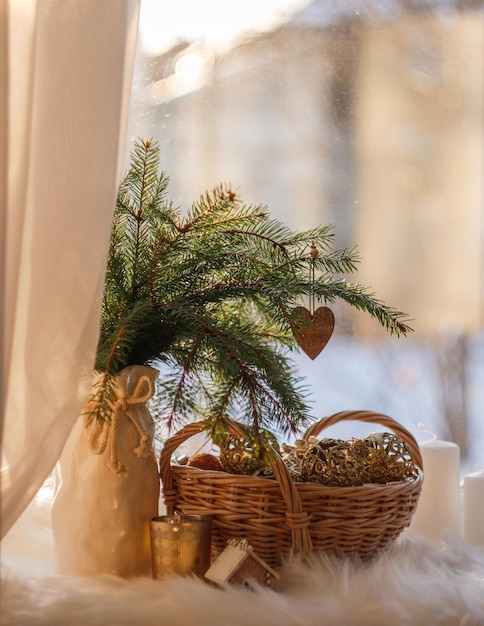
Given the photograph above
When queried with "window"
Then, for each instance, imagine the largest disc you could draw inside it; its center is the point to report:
(367, 116)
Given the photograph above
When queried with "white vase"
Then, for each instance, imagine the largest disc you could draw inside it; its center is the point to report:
(107, 486)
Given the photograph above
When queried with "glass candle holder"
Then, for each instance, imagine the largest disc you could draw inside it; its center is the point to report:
(180, 545)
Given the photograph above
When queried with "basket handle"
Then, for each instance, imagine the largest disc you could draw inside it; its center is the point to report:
(369, 416)
(296, 519)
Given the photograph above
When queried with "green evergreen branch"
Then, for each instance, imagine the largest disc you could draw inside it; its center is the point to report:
(210, 294)
(186, 368)
(357, 296)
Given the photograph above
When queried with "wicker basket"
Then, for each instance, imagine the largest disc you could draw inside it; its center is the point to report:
(280, 516)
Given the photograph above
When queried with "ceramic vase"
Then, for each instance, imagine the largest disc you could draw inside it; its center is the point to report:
(107, 486)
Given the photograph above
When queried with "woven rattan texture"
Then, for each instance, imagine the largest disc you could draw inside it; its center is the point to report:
(278, 516)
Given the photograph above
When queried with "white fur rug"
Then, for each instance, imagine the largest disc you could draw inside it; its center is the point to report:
(417, 582)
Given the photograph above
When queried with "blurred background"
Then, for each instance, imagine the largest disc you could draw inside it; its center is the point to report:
(366, 115)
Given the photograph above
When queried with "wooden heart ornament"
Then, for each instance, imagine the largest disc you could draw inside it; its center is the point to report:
(312, 331)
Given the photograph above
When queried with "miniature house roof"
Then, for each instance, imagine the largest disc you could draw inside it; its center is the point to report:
(232, 559)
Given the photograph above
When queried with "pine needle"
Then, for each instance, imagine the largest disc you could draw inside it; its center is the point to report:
(208, 294)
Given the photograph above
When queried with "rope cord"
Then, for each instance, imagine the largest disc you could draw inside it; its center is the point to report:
(99, 437)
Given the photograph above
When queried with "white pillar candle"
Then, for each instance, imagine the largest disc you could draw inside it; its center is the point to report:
(474, 508)
(439, 504)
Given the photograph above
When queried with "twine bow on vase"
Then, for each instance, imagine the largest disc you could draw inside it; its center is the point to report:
(108, 430)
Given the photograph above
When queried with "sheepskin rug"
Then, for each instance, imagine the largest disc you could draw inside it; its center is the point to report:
(417, 582)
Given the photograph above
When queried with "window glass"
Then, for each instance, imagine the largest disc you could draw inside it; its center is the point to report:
(365, 115)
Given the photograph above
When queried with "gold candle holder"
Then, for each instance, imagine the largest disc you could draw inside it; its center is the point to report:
(180, 545)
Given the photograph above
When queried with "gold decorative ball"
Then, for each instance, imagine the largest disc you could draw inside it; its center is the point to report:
(331, 462)
(245, 456)
(388, 459)
(292, 456)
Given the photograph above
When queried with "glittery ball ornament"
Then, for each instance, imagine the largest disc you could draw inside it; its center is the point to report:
(388, 459)
(292, 455)
(332, 462)
(245, 456)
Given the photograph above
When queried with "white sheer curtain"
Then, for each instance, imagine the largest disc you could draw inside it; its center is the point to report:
(65, 72)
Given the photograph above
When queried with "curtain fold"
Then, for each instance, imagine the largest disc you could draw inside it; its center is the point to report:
(69, 67)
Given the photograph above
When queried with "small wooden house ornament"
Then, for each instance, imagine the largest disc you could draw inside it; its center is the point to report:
(238, 564)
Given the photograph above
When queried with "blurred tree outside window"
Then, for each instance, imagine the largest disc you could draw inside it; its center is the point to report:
(365, 115)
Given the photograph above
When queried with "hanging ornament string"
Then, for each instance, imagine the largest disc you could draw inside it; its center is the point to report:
(124, 406)
(313, 327)
(312, 276)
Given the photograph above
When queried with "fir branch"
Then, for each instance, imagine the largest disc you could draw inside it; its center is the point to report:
(209, 295)
(394, 321)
